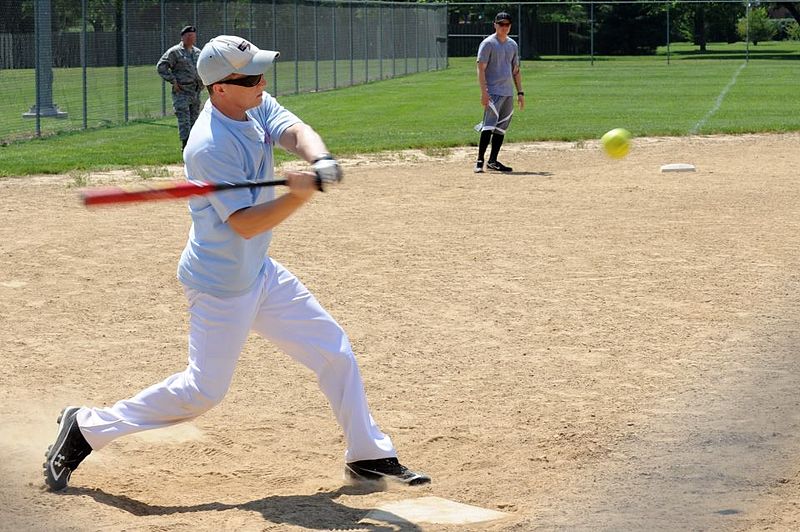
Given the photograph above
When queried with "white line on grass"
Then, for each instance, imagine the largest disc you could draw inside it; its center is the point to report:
(717, 103)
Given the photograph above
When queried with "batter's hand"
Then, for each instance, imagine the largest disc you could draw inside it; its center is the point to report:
(302, 184)
(328, 171)
(484, 99)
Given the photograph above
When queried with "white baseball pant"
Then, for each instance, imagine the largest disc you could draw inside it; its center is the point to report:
(283, 311)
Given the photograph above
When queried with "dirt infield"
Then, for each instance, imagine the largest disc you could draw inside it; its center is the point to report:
(583, 344)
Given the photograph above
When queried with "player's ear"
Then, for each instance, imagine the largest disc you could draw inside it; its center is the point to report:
(218, 88)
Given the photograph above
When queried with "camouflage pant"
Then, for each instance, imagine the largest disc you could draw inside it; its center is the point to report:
(187, 106)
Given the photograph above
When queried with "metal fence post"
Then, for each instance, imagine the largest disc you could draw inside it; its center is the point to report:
(380, 41)
(747, 32)
(296, 47)
(416, 35)
(519, 29)
(274, 47)
(351, 45)
(435, 37)
(37, 50)
(591, 32)
(316, 50)
(84, 56)
(125, 55)
(394, 42)
(163, 47)
(333, 28)
(430, 39)
(667, 33)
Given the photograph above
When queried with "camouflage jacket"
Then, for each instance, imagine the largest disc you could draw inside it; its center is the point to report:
(179, 64)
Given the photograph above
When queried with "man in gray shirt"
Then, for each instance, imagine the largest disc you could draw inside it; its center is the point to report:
(498, 75)
(178, 67)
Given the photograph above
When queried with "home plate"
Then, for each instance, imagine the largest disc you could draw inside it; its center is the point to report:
(678, 167)
(432, 510)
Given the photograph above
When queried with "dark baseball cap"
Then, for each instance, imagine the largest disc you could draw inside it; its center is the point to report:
(187, 29)
(502, 16)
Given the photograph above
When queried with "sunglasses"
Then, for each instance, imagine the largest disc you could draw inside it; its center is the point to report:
(247, 81)
(503, 23)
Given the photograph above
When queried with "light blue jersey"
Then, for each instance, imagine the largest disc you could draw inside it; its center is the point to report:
(500, 59)
(216, 260)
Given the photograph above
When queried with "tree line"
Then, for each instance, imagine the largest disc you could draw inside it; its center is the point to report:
(625, 29)
(639, 28)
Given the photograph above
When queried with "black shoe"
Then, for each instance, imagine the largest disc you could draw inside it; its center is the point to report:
(478, 167)
(497, 166)
(382, 469)
(68, 451)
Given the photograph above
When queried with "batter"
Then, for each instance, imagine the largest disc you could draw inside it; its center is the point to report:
(233, 286)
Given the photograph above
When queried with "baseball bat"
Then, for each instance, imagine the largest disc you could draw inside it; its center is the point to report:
(164, 191)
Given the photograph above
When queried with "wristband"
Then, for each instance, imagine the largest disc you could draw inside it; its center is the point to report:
(520, 93)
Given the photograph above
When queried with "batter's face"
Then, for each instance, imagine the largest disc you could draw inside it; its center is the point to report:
(237, 99)
(248, 96)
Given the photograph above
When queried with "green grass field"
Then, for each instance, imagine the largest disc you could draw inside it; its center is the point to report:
(105, 95)
(566, 100)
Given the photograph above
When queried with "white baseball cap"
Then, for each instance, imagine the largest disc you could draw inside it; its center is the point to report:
(226, 54)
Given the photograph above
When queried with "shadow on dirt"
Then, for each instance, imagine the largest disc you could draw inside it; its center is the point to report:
(319, 511)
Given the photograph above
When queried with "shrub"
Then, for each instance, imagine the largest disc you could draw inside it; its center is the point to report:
(793, 30)
(762, 28)
(783, 27)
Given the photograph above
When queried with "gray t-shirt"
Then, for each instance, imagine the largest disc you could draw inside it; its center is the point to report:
(500, 59)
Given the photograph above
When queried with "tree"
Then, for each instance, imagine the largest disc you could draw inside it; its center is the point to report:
(704, 23)
(15, 19)
(792, 7)
(627, 29)
(700, 27)
(794, 31)
(762, 28)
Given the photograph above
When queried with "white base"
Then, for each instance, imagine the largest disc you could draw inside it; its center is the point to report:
(678, 167)
(432, 510)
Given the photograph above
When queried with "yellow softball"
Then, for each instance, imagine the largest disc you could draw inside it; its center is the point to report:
(617, 142)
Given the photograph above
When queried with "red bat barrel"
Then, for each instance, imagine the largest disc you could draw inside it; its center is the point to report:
(170, 190)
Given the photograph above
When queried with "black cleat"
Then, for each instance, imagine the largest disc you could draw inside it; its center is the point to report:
(383, 469)
(497, 166)
(68, 451)
(478, 167)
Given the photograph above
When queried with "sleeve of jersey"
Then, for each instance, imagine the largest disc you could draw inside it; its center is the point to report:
(221, 165)
(276, 118)
(484, 51)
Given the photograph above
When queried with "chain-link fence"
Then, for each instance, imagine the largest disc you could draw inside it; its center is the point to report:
(71, 64)
(619, 27)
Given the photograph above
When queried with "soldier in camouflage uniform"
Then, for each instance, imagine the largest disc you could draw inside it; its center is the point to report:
(178, 66)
